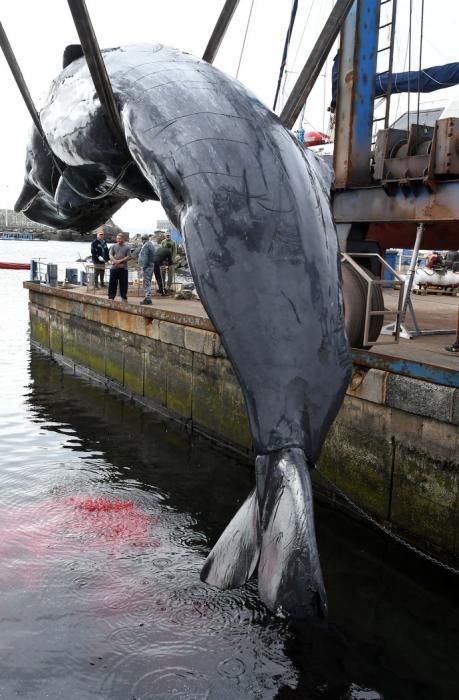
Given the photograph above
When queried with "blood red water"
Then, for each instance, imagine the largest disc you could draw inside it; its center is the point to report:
(34, 535)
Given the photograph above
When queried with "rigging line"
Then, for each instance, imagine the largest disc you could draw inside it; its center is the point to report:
(421, 40)
(245, 37)
(285, 51)
(303, 32)
(302, 115)
(399, 95)
(409, 70)
(88, 197)
(313, 127)
(324, 106)
(445, 58)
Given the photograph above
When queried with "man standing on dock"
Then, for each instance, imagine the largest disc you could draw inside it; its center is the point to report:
(99, 255)
(161, 258)
(172, 247)
(146, 264)
(119, 256)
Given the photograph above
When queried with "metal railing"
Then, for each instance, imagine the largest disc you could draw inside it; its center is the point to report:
(53, 275)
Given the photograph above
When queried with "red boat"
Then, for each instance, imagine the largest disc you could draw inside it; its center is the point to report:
(14, 266)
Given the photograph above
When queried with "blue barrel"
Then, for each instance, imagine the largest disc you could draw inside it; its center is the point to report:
(71, 275)
(391, 258)
(83, 278)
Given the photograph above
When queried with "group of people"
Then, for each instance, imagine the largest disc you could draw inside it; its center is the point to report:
(151, 260)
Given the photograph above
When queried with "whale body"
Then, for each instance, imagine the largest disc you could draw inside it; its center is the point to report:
(254, 208)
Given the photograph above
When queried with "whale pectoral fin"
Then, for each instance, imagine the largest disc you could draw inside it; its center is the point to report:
(77, 186)
(234, 557)
(289, 572)
(28, 192)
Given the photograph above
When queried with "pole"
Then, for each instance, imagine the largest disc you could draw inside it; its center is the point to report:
(315, 62)
(407, 303)
(219, 32)
(412, 271)
(97, 68)
(19, 79)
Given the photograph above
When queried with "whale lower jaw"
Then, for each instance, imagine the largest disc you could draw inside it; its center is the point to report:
(274, 530)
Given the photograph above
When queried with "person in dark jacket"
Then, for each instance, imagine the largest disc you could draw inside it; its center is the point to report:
(99, 255)
(162, 256)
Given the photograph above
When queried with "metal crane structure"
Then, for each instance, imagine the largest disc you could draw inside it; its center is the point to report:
(411, 175)
(405, 177)
(402, 180)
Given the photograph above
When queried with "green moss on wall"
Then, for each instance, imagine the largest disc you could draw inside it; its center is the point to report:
(155, 379)
(425, 496)
(39, 330)
(360, 466)
(179, 373)
(55, 333)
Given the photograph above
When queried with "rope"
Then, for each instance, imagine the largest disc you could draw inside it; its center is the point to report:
(245, 37)
(397, 109)
(420, 60)
(386, 530)
(285, 51)
(306, 22)
(409, 69)
(107, 192)
(61, 172)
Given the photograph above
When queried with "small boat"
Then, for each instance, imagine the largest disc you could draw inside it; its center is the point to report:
(15, 236)
(14, 266)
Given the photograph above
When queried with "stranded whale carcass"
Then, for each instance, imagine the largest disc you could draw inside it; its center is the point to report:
(254, 209)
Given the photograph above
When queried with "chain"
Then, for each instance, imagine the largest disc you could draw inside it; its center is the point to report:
(387, 530)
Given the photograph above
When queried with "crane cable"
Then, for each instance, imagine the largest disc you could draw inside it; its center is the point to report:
(285, 51)
(409, 71)
(421, 40)
(245, 37)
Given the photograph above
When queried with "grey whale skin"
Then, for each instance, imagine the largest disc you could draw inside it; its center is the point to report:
(254, 209)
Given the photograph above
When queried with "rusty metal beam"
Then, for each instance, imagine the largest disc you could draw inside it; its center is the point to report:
(355, 96)
(407, 204)
(219, 32)
(315, 63)
(19, 79)
(97, 68)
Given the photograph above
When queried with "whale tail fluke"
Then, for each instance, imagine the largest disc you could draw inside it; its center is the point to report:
(234, 557)
(274, 528)
(289, 572)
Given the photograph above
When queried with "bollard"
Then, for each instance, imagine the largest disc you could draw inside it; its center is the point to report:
(71, 275)
(34, 270)
(51, 274)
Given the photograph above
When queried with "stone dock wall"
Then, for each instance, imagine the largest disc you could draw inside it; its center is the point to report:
(393, 448)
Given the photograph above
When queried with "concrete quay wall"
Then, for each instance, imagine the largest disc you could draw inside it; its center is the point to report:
(393, 447)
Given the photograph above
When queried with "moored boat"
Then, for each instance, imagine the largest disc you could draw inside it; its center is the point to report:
(14, 266)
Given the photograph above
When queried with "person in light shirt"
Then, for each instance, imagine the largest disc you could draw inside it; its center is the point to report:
(119, 256)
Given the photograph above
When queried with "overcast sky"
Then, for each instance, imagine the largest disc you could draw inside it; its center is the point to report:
(39, 31)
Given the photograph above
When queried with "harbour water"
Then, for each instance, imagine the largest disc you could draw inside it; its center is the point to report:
(106, 516)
